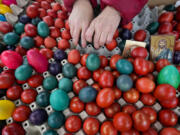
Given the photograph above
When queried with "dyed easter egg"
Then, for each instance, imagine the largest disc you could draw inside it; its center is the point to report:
(65, 84)
(23, 72)
(37, 61)
(27, 42)
(56, 120)
(43, 29)
(69, 70)
(8, 2)
(38, 117)
(124, 66)
(93, 62)
(169, 75)
(11, 38)
(59, 100)
(87, 94)
(4, 9)
(19, 28)
(124, 82)
(2, 18)
(11, 59)
(7, 108)
(50, 83)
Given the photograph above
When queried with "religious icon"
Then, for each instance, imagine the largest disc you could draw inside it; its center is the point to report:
(162, 47)
(130, 45)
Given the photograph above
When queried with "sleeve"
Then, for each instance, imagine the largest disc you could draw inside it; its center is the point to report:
(69, 4)
(127, 8)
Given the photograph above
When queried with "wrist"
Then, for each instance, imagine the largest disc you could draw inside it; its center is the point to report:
(111, 9)
(77, 2)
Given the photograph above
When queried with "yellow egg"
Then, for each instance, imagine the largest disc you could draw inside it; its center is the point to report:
(6, 109)
(4, 9)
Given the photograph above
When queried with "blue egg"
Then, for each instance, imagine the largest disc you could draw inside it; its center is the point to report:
(2, 18)
(124, 66)
(87, 94)
(124, 83)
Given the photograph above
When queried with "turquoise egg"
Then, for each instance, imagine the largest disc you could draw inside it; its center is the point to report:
(50, 83)
(59, 100)
(27, 42)
(169, 75)
(56, 120)
(19, 28)
(124, 83)
(87, 94)
(23, 72)
(35, 21)
(11, 38)
(43, 29)
(42, 99)
(93, 62)
(69, 70)
(124, 66)
(65, 84)
(50, 132)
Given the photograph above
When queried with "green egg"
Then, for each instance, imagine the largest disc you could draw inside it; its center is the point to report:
(69, 70)
(11, 38)
(93, 62)
(169, 75)
(19, 28)
(50, 132)
(56, 120)
(59, 100)
(42, 99)
(170, 8)
(65, 84)
(27, 42)
(43, 29)
(153, 27)
(23, 72)
(50, 83)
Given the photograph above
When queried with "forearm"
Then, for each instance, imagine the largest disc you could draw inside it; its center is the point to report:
(153, 3)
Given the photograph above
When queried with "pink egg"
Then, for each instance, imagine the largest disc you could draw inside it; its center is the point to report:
(37, 60)
(8, 2)
(11, 59)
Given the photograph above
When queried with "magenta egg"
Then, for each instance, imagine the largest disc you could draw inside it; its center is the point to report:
(8, 2)
(37, 60)
(11, 59)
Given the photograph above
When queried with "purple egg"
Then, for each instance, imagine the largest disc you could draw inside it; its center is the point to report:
(55, 68)
(177, 57)
(59, 55)
(24, 19)
(38, 117)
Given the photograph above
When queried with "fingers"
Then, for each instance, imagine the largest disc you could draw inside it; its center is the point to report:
(97, 38)
(83, 38)
(109, 37)
(75, 35)
(103, 38)
(90, 32)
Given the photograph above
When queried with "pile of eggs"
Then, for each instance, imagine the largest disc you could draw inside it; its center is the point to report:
(53, 88)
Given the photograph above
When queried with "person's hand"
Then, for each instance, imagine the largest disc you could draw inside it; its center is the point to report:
(79, 20)
(103, 27)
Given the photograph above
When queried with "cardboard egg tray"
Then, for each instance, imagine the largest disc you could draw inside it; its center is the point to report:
(141, 21)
